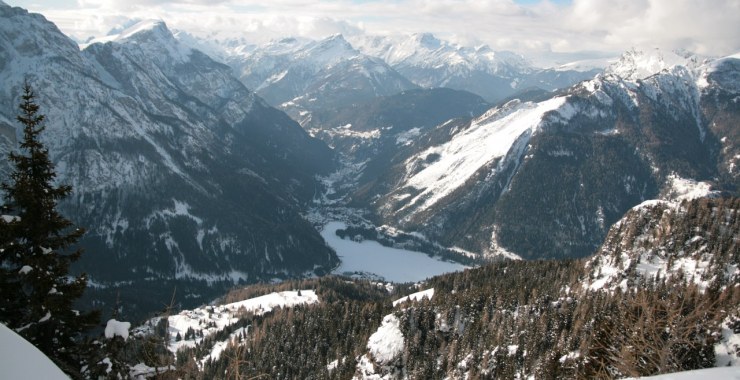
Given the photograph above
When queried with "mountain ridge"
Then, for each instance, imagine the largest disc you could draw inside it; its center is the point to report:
(671, 122)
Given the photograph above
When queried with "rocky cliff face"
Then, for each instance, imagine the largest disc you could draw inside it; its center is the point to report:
(692, 240)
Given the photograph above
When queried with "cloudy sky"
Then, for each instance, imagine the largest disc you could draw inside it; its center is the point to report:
(710, 27)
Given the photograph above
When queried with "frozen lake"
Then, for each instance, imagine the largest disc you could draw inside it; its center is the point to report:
(393, 264)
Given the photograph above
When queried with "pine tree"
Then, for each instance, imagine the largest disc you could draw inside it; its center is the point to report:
(38, 291)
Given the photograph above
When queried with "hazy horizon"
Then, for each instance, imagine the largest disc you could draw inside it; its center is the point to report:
(571, 29)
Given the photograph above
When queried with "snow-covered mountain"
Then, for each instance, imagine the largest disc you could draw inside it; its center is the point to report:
(179, 172)
(300, 76)
(430, 62)
(547, 178)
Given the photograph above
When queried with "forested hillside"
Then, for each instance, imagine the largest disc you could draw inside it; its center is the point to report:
(510, 319)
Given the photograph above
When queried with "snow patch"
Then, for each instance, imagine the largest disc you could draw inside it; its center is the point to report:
(683, 189)
(727, 373)
(116, 328)
(418, 296)
(208, 320)
(10, 218)
(406, 138)
(727, 350)
(387, 342)
(45, 317)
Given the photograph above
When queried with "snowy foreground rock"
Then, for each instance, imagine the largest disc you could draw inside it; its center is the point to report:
(19, 359)
(384, 347)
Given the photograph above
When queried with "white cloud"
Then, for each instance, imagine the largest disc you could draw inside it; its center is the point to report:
(707, 27)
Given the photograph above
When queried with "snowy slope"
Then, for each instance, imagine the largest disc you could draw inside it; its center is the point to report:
(637, 64)
(418, 296)
(21, 360)
(490, 137)
(494, 75)
(207, 320)
(424, 50)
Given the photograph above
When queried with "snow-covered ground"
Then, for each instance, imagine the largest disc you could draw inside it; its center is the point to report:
(21, 360)
(418, 296)
(207, 320)
(392, 264)
(723, 373)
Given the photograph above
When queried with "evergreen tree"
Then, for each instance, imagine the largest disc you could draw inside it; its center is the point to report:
(37, 290)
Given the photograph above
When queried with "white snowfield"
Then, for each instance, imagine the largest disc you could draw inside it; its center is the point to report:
(19, 359)
(418, 296)
(207, 320)
(489, 137)
(392, 264)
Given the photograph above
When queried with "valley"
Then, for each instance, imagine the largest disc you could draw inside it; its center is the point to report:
(393, 206)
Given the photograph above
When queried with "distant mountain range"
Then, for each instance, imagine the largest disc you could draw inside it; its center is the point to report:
(301, 76)
(195, 171)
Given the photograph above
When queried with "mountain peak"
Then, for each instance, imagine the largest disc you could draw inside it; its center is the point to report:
(152, 27)
(330, 50)
(427, 40)
(335, 40)
(637, 64)
(154, 37)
